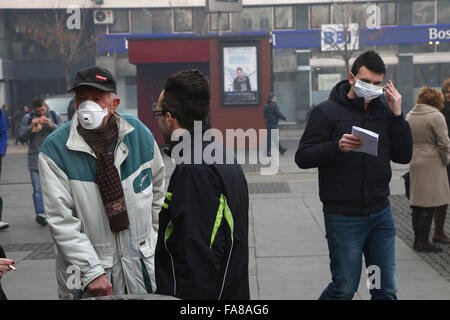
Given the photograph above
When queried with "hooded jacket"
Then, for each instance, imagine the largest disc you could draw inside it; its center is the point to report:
(202, 249)
(353, 183)
(76, 214)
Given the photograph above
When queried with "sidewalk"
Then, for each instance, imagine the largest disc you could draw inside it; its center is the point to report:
(288, 250)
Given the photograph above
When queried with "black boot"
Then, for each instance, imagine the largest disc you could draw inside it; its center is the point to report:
(425, 219)
(415, 219)
(439, 222)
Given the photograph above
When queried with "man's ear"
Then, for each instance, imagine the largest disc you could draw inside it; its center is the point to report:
(351, 78)
(115, 104)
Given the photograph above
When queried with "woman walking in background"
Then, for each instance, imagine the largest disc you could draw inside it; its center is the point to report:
(430, 191)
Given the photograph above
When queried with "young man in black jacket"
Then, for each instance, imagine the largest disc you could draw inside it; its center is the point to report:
(354, 186)
(202, 247)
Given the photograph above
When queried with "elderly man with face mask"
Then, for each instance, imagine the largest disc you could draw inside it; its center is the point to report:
(354, 186)
(102, 180)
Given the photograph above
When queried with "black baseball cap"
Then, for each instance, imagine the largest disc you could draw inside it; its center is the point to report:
(96, 77)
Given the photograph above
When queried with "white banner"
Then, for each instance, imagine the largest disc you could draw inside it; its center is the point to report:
(334, 38)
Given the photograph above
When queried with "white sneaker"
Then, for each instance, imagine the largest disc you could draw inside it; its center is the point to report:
(4, 225)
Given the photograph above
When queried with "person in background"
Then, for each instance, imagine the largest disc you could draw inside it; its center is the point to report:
(3, 146)
(439, 217)
(35, 127)
(17, 119)
(272, 115)
(429, 187)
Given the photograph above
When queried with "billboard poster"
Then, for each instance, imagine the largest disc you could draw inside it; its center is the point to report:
(240, 75)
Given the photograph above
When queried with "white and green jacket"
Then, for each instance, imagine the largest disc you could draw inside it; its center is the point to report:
(76, 215)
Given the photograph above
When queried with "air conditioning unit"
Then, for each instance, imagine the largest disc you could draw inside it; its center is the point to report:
(103, 17)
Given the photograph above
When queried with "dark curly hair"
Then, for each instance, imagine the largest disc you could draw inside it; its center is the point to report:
(431, 96)
(186, 97)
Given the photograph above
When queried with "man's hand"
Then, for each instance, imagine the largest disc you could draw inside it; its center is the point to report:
(35, 121)
(349, 142)
(394, 98)
(47, 121)
(4, 265)
(100, 286)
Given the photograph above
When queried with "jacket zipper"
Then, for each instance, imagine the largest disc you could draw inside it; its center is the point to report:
(171, 259)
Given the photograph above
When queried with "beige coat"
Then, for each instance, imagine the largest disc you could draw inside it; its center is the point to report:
(431, 154)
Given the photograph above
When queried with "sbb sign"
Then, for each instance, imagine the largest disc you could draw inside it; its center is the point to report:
(334, 38)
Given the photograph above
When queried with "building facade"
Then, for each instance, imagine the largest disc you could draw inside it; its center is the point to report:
(413, 37)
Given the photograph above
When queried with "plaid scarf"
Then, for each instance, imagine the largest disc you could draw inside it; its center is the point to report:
(106, 175)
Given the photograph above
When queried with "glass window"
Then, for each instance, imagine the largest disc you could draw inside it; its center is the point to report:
(284, 17)
(443, 11)
(423, 12)
(141, 21)
(151, 21)
(161, 21)
(253, 19)
(224, 20)
(350, 13)
(183, 19)
(426, 75)
(388, 13)
(120, 24)
(318, 15)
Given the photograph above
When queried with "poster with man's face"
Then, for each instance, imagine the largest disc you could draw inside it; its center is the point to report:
(240, 75)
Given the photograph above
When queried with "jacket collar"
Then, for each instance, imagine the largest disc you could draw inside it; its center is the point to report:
(76, 142)
(423, 108)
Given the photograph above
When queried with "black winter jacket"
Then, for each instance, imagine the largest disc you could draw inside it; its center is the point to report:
(202, 247)
(353, 183)
(272, 115)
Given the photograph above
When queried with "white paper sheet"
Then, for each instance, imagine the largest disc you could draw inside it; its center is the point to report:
(369, 139)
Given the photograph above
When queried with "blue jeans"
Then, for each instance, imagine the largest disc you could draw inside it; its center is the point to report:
(351, 236)
(37, 194)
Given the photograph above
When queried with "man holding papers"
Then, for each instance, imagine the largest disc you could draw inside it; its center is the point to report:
(354, 176)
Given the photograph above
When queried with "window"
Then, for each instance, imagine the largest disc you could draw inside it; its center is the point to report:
(141, 21)
(426, 75)
(388, 13)
(183, 20)
(151, 21)
(443, 11)
(120, 24)
(423, 12)
(253, 19)
(318, 15)
(346, 13)
(214, 21)
(284, 17)
(161, 21)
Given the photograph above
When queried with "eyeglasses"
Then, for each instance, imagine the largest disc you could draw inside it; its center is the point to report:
(159, 113)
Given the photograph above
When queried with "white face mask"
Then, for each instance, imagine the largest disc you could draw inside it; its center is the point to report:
(366, 90)
(91, 115)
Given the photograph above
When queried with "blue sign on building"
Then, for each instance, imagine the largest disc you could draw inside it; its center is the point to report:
(309, 38)
(382, 36)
